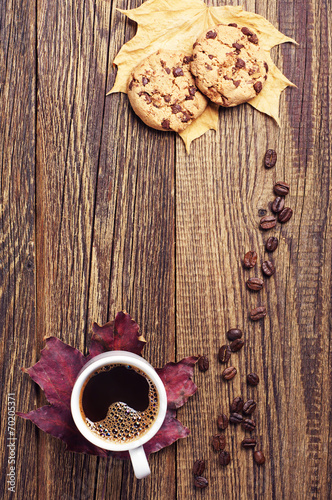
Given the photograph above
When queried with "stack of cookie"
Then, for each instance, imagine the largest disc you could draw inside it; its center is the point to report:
(168, 90)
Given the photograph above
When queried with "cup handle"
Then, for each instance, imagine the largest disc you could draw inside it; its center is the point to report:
(139, 462)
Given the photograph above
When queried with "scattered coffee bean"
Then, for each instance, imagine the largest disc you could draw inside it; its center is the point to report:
(281, 188)
(199, 467)
(200, 482)
(224, 354)
(285, 215)
(236, 418)
(218, 442)
(203, 363)
(259, 457)
(248, 424)
(268, 268)
(252, 379)
(270, 158)
(237, 405)
(272, 244)
(224, 458)
(267, 222)
(258, 313)
(250, 259)
(255, 284)
(236, 345)
(278, 204)
(249, 443)
(222, 422)
(234, 333)
(229, 373)
(249, 407)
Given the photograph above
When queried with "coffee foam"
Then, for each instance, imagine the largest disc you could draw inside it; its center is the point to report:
(123, 424)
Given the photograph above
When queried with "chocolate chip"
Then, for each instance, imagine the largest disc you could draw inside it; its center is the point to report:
(211, 34)
(253, 39)
(185, 117)
(208, 67)
(258, 87)
(195, 44)
(177, 72)
(145, 80)
(246, 31)
(131, 84)
(176, 108)
(234, 25)
(165, 124)
(211, 56)
(189, 98)
(237, 83)
(146, 96)
(167, 98)
(240, 63)
(192, 90)
(167, 70)
(266, 67)
(187, 59)
(237, 46)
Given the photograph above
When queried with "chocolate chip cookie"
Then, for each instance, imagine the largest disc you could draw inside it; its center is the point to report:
(163, 93)
(229, 65)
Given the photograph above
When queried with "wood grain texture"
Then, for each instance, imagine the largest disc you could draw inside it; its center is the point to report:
(100, 213)
(17, 240)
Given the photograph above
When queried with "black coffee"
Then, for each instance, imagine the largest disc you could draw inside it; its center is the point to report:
(119, 403)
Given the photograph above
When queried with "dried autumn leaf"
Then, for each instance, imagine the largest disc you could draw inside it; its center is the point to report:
(57, 370)
(175, 25)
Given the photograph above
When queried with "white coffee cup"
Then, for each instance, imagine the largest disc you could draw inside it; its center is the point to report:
(135, 448)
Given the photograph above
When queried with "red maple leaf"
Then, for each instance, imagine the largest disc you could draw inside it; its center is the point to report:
(57, 370)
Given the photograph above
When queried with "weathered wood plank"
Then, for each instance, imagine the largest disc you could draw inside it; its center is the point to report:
(226, 183)
(17, 242)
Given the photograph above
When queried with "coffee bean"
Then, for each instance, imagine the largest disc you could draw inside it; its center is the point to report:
(237, 405)
(250, 259)
(252, 379)
(203, 363)
(249, 443)
(278, 204)
(224, 354)
(255, 284)
(224, 458)
(235, 418)
(236, 345)
(222, 422)
(249, 407)
(270, 158)
(281, 188)
(200, 482)
(259, 457)
(234, 333)
(267, 222)
(272, 244)
(199, 467)
(218, 442)
(268, 268)
(229, 373)
(246, 31)
(285, 215)
(258, 313)
(248, 424)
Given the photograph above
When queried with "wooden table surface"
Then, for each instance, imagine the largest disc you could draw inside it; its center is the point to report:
(101, 214)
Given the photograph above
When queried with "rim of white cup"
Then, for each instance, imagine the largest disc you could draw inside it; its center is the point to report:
(125, 358)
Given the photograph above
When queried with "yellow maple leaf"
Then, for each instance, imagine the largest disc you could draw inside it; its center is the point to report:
(175, 25)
